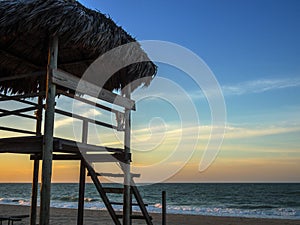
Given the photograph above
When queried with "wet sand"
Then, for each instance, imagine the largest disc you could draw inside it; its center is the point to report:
(93, 217)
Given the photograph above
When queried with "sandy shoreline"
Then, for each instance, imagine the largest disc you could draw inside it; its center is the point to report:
(93, 217)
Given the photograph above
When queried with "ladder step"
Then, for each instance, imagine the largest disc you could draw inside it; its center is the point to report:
(116, 174)
(137, 217)
(121, 203)
(100, 157)
(114, 190)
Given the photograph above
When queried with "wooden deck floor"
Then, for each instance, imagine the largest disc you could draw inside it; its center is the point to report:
(73, 150)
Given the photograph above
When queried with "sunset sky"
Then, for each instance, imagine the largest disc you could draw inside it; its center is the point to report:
(252, 48)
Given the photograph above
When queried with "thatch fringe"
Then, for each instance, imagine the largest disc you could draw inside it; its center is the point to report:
(84, 35)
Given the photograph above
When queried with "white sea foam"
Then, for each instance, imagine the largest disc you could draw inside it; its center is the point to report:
(201, 201)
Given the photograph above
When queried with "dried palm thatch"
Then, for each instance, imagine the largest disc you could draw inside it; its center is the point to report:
(84, 35)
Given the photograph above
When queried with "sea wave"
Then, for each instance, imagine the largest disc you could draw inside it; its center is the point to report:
(280, 200)
(260, 212)
(14, 201)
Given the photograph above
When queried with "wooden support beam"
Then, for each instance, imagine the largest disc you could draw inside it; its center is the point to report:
(80, 213)
(36, 166)
(19, 76)
(94, 158)
(70, 95)
(16, 130)
(117, 174)
(85, 118)
(164, 208)
(102, 193)
(127, 207)
(63, 145)
(82, 175)
(5, 98)
(18, 97)
(86, 61)
(70, 81)
(141, 203)
(22, 60)
(61, 157)
(10, 113)
(48, 134)
(21, 145)
(34, 192)
(18, 112)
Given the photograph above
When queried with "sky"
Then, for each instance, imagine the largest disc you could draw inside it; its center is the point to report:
(253, 50)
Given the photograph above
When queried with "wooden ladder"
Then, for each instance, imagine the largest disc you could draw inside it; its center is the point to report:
(103, 191)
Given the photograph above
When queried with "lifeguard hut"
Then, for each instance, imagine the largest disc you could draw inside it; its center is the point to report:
(45, 49)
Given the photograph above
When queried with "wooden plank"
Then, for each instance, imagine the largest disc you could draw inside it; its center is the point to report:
(114, 190)
(93, 157)
(16, 130)
(70, 81)
(58, 157)
(121, 203)
(70, 95)
(63, 145)
(98, 158)
(19, 76)
(85, 118)
(22, 145)
(118, 174)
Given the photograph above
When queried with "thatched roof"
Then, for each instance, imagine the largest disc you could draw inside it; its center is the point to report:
(84, 34)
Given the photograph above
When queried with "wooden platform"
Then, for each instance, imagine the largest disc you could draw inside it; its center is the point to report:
(72, 150)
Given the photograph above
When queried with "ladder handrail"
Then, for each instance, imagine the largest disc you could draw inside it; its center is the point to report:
(102, 193)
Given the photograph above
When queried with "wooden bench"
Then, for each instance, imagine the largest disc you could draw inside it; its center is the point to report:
(12, 219)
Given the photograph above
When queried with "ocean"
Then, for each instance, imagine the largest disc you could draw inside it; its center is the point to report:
(239, 200)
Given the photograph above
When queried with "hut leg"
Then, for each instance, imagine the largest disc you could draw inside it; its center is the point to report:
(36, 164)
(81, 194)
(85, 127)
(126, 168)
(34, 192)
(164, 208)
(48, 135)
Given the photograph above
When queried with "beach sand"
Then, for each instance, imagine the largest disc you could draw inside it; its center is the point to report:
(93, 217)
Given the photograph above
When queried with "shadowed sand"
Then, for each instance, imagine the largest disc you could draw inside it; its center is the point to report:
(93, 217)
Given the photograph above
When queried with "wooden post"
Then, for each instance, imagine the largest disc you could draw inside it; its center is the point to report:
(80, 213)
(126, 168)
(35, 179)
(36, 163)
(48, 135)
(164, 208)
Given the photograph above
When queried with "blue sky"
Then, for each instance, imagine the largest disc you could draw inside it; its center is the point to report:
(253, 49)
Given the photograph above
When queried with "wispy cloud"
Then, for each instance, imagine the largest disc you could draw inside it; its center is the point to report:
(259, 86)
(238, 89)
(231, 132)
(243, 132)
